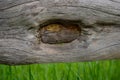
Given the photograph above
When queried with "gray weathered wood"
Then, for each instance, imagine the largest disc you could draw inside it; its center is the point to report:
(20, 20)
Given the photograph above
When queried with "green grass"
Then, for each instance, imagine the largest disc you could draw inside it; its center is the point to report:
(99, 70)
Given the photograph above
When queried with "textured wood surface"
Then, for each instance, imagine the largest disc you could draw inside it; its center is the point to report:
(20, 21)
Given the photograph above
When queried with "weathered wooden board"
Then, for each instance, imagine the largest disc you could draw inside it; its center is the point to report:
(20, 21)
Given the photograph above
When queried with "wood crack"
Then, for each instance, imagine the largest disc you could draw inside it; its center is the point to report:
(15, 5)
(118, 15)
(115, 1)
(11, 17)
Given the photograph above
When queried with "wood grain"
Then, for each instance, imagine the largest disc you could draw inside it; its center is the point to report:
(20, 20)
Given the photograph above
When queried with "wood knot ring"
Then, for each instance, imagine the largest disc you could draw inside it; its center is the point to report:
(59, 33)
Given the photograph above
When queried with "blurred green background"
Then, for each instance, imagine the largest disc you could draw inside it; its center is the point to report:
(97, 70)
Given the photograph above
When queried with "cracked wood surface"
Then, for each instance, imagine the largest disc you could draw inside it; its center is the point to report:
(20, 20)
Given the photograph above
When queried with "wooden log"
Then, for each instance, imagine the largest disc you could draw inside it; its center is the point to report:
(21, 20)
